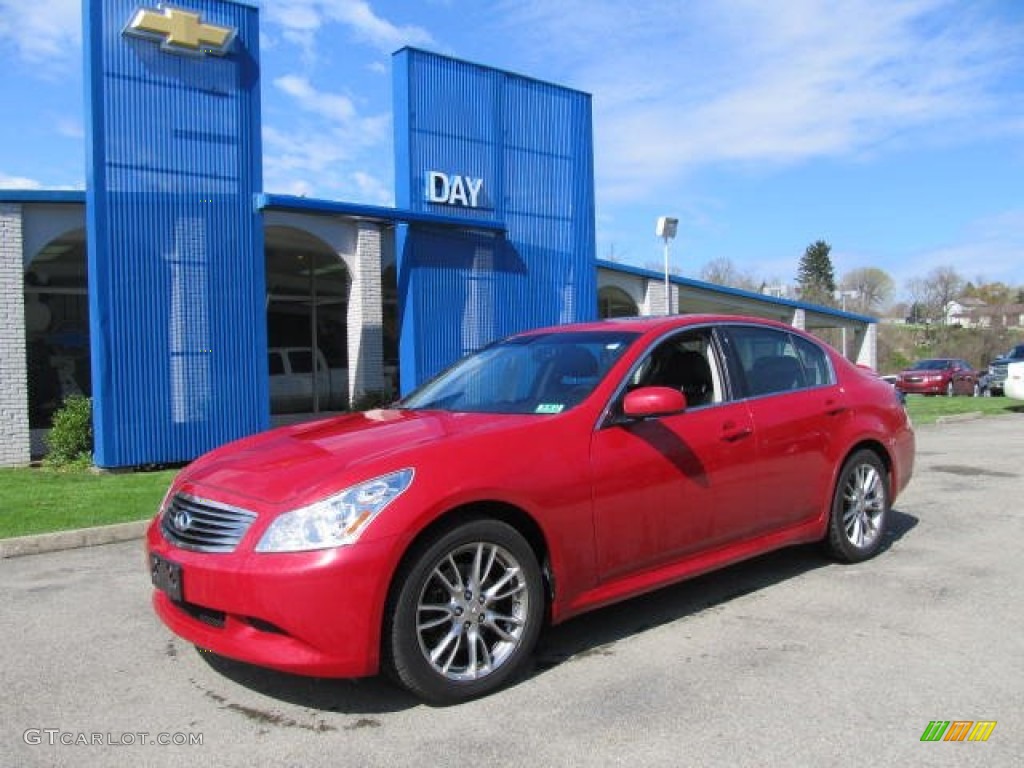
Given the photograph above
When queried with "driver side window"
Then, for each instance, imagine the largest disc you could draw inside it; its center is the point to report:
(687, 363)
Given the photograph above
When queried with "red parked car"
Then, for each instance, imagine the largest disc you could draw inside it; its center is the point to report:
(551, 473)
(939, 376)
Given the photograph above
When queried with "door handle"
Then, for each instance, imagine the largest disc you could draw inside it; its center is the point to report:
(731, 431)
(832, 408)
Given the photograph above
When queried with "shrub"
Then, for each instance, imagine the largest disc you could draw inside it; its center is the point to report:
(70, 439)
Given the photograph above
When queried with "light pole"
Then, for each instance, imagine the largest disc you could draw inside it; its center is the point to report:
(666, 230)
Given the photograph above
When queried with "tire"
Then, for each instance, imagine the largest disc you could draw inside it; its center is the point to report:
(465, 614)
(860, 508)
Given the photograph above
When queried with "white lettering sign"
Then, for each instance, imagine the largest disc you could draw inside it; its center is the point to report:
(453, 190)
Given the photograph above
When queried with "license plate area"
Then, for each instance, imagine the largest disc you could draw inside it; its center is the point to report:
(166, 576)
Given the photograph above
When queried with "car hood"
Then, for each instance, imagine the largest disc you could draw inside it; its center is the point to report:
(299, 464)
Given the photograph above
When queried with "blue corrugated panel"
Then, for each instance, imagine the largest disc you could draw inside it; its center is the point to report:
(528, 145)
(176, 264)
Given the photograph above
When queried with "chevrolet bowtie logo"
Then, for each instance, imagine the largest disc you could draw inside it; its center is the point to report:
(180, 31)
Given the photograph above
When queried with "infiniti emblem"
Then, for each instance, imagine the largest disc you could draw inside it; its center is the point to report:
(182, 520)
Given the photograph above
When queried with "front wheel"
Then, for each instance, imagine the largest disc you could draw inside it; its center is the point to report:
(466, 613)
(860, 508)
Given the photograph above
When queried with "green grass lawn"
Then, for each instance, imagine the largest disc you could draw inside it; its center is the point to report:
(41, 500)
(927, 410)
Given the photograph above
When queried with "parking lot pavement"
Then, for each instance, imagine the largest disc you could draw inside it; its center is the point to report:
(786, 660)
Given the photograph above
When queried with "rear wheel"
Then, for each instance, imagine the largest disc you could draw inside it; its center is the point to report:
(860, 508)
(466, 614)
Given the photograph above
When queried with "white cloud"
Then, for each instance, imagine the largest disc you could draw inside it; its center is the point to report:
(300, 22)
(379, 32)
(992, 246)
(678, 86)
(332, 106)
(70, 127)
(372, 188)
(18, 182)
(42, 31)
(328, 149)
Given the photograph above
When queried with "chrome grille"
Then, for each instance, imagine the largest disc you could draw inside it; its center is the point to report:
(1000, 372)
(204, 526)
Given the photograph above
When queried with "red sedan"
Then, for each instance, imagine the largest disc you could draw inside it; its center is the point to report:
(551, 473)
(939, 376)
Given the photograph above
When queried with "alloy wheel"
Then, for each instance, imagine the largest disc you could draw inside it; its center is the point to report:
(863, 506)
(472, 611)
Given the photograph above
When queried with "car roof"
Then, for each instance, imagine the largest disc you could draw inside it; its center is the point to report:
(658, 323)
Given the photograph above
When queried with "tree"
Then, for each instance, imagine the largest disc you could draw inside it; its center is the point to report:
(933, 292)
(816, 277)
(945, 286)
(722, 271)
(992, 294)
(873, 287)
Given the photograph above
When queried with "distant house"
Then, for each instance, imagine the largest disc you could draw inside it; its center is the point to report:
(964, 312)
(1010, 316)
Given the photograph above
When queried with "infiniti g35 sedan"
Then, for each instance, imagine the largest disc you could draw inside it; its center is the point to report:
(548, 474)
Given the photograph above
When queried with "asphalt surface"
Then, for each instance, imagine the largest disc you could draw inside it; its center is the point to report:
(785, 660)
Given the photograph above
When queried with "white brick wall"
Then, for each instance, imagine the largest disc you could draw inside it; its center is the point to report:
(365, 316)
(654, 297)
(14, 433)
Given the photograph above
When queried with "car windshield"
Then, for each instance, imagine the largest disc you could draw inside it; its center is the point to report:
(543, 373)
(931, 365)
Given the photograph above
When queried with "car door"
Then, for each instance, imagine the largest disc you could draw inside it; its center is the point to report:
(795, 406)
(662, 485)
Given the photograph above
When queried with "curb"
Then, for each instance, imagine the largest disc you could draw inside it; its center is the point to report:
(969, 416)
(60, 540)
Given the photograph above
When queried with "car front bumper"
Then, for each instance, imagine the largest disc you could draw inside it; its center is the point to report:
(921, 387)
(311, 613)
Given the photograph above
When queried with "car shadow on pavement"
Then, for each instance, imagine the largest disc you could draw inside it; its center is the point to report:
(594, 633)
(589, 635)
(372, 695)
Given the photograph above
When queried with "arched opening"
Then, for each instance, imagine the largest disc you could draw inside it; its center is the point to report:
(307, 325)
(615, 302)
(56, 326)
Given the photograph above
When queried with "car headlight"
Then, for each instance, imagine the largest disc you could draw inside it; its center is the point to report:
(337, 520)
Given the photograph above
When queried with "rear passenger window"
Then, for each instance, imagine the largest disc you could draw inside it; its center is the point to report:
(815, 362)
(774, 361)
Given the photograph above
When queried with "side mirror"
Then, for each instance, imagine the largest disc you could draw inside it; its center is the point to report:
(647, 402)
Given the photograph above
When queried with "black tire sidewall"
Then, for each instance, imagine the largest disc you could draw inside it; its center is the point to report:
(838, 543)
(403, 654)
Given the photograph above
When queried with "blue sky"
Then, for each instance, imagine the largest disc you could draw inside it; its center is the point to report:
(893, 129)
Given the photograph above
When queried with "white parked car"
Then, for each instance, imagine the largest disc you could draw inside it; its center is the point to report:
(1014, 384)
(292, 381)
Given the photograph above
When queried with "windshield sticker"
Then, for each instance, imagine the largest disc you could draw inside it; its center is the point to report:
(550, 408)
(612, 347)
